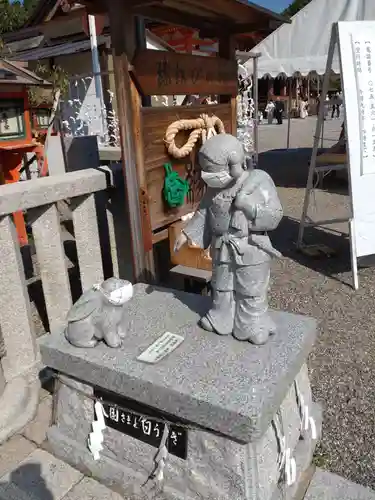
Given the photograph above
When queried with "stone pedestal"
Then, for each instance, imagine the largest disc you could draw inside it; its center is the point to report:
(229, 394)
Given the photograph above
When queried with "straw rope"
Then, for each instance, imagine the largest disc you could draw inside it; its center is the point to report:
(202, 128)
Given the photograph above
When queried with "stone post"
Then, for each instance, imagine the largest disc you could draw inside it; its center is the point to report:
(19, 359)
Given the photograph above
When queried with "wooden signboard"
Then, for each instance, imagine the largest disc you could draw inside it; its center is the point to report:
(170, 73)
(155, 122)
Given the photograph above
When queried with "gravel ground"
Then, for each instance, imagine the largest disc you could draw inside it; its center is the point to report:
(342, 365)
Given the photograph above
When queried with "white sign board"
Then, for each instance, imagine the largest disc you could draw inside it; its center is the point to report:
(163, 346)
(357, 54)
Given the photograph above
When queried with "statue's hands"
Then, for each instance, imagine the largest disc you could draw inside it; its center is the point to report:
(180, 241)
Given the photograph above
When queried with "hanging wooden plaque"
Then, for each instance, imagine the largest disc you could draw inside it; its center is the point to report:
(169, 73)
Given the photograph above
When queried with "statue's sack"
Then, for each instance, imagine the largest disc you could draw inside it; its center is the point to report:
(263, 193)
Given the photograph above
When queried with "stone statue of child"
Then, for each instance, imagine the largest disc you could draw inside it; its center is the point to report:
(98, 313)
(233, 218)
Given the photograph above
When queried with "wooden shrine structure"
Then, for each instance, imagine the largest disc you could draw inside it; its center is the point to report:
(18, 123)
(141, 73)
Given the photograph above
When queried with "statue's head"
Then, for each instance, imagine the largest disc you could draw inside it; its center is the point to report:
(222, 160)
(117, 291)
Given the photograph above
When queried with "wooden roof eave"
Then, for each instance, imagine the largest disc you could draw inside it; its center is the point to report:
(212, 18)
(22, 72)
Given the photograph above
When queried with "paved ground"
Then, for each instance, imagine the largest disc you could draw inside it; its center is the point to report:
(29, 472)
(342, 365)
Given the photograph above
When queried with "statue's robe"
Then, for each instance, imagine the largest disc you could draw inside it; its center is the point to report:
(241, 252)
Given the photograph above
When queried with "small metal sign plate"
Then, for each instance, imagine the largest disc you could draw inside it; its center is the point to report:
(148, 429)
(163, 346)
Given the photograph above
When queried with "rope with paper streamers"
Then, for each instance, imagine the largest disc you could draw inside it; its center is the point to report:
(161, 456)
(202, 128)
(307, 421)
(286, 463)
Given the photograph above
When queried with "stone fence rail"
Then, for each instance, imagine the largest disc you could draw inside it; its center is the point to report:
(85, 191)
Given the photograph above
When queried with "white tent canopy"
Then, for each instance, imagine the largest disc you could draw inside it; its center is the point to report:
(302, 46)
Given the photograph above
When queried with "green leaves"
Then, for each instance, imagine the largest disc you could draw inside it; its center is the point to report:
(295, 7)
(13, 15)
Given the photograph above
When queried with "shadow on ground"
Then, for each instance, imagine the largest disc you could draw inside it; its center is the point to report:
(284, 238)
(23, 479)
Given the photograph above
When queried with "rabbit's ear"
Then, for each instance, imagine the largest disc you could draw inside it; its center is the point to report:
(85, 305)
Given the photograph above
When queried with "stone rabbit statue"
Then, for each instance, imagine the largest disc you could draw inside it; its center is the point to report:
(238, 209)
(97, 314)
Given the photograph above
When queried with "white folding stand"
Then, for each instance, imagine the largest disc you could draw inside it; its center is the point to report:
(356, 51)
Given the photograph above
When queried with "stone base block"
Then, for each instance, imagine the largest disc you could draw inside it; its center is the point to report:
(303, 454)
(237, 401)
(18, 403)
(328, 486)
(216, 467)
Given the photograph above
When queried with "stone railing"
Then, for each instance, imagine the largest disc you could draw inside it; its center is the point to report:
(19, 363)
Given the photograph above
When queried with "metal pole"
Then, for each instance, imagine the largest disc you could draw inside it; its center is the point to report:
(256, 109)
(96, 67)
(289, 111)
(319, 124)
(95, 57)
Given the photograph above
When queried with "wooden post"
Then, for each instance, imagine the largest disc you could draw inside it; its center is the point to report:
(141, 45)
(256, 108)
(137, 103)
(227, 50)
(308, 87)
(123, 38)
(141, 174)
(10, 163)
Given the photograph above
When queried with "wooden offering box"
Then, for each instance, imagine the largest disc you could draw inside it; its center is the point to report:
(188, 256)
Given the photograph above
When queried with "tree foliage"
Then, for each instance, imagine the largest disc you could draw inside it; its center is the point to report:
(14, 14)
(295, 7)
(59, 79)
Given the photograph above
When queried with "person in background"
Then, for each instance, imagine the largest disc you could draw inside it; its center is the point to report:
(279, 110)
(303, 106)
(326, 107)
(270, 109)
(336, 105)
(341, 101)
